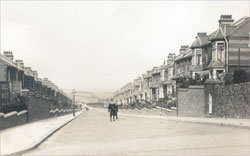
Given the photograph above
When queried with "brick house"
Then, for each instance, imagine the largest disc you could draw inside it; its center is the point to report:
(169, 85)
(156, 83)
(15, 77)
(147, 79)
(229, 46)
(200, 55)
(183, 62)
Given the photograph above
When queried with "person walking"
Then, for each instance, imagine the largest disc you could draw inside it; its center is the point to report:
(111, 109)
(116, 110)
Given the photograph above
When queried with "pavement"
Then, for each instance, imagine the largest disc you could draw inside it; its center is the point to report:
(17, 140)
(158, 114)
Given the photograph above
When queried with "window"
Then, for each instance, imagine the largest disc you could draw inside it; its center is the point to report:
(206, 57)
(220, 50)
(198, 57)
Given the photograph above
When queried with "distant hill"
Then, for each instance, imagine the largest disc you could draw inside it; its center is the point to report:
(90, 96)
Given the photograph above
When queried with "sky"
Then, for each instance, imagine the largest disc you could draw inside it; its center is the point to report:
(104, 45)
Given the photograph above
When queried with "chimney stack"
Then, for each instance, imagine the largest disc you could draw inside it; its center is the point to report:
(28, 68)
(170, 59)
(35, 73)
(201, 34)
(20, 63)
(8, 54)
(225, 20)
(183, 48)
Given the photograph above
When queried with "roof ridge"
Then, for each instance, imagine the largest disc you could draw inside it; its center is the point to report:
(240, 25)
(240, 20)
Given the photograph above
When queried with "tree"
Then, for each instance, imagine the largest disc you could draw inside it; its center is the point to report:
(228, 78)
(239, 76)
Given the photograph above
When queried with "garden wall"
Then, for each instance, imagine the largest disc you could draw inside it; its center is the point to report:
(12, 119)
(191, 101)
(230, 101)
(38, 108)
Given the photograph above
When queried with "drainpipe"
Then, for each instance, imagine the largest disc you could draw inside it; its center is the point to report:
(224, 35)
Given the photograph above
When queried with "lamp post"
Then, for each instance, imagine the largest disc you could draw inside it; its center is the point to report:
(73, 93)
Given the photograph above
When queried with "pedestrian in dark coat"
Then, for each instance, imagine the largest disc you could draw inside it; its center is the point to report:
(116, 111)
(111, 109)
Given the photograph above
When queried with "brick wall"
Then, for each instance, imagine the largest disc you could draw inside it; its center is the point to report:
(191, 101)
(12, 119)
(230, 101)
(234, 45)
(38, 109)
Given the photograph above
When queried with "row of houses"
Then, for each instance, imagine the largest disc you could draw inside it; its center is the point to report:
(206, 59)
(16, 79)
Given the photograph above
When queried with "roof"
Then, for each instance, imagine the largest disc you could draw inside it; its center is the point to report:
(9, 62)
(148, 75)
(155, 86)
(217, 35)
(168, 82)
(186, 54)
(196, 68)
(239, 28)
(242, 29)
(156, 70)
(216, 64)
(200, 41)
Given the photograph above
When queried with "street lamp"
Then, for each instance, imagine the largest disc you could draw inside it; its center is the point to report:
(73, 93)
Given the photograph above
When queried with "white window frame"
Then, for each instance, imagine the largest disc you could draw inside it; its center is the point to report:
(196, 61)
(223, 53)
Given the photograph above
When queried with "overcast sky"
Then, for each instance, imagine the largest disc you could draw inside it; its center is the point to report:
(104, 45)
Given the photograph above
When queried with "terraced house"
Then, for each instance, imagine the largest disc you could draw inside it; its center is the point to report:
(169, 85)
(147, 78)
(183, 62)
(200, 55)
(206, 59)
(229, 46)
(156, 83)
(15, 78)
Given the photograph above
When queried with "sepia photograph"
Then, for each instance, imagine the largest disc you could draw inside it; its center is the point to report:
(124, 77)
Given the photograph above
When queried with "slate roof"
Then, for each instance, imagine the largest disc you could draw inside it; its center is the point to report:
(186, 54)
(242, 29)
(239, 28)
(168, 82)
(216, 64)
(200, 41)
(196, 68)
(9, 62)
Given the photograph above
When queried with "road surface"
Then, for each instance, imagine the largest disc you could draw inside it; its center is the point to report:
(93, 134)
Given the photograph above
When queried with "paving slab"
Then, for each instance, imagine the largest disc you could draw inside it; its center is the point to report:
(22, 138)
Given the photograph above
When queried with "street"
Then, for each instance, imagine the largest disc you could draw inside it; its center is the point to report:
(93, 134)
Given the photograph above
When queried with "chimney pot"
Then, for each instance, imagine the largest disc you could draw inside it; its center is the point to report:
(201, 34)
(226, 20)
(9, 55)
